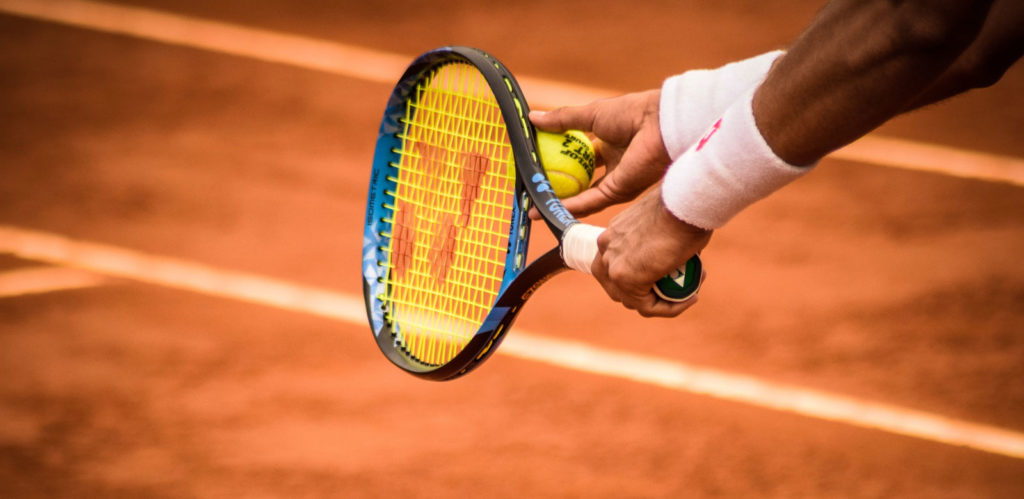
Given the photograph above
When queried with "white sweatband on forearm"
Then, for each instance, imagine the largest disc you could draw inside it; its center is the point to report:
(691, 101)
(728, 169)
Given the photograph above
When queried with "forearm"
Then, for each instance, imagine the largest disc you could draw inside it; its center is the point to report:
(859, 64)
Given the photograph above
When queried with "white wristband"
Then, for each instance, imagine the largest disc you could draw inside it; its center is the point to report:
(690, 102)
(728, 169)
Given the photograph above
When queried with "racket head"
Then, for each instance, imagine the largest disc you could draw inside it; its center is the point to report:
(454, 171)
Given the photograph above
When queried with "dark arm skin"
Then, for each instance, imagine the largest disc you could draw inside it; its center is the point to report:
(860, 63)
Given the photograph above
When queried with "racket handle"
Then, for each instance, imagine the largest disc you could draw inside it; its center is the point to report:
(579, 248)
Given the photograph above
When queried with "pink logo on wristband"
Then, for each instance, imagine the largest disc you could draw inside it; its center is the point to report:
(707, 136)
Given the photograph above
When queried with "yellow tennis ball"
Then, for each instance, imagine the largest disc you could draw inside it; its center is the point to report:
(568, 160)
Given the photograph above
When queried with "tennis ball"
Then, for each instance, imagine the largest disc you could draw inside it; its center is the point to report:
(568, 160)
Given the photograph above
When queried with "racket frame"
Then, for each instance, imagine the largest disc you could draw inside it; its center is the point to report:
(531, 187)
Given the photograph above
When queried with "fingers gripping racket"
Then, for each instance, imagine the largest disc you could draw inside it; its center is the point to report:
(455, 171)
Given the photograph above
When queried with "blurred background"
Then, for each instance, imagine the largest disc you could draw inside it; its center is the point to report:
(863, 281)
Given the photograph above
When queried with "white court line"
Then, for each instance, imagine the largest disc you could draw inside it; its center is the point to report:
(39, 280)
(671, 374)
(386, 67)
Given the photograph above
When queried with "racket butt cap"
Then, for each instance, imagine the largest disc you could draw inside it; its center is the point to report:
(680, 285)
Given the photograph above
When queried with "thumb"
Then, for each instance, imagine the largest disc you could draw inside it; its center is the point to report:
(605, 193)
(631, 177)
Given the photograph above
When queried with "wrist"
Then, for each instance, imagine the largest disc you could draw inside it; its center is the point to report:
(690, 102)
(679, 227)
(727, 170)
(653, 113)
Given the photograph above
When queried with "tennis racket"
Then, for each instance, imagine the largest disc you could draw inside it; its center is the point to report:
(455, 171)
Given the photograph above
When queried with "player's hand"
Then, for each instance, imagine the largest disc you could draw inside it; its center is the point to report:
(642, 244)
(628, 143)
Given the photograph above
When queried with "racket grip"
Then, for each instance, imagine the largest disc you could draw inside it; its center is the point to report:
(579, 248)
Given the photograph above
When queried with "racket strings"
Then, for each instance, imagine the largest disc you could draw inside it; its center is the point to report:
(452, 213)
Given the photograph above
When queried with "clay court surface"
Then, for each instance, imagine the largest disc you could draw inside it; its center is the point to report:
(887, 286)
